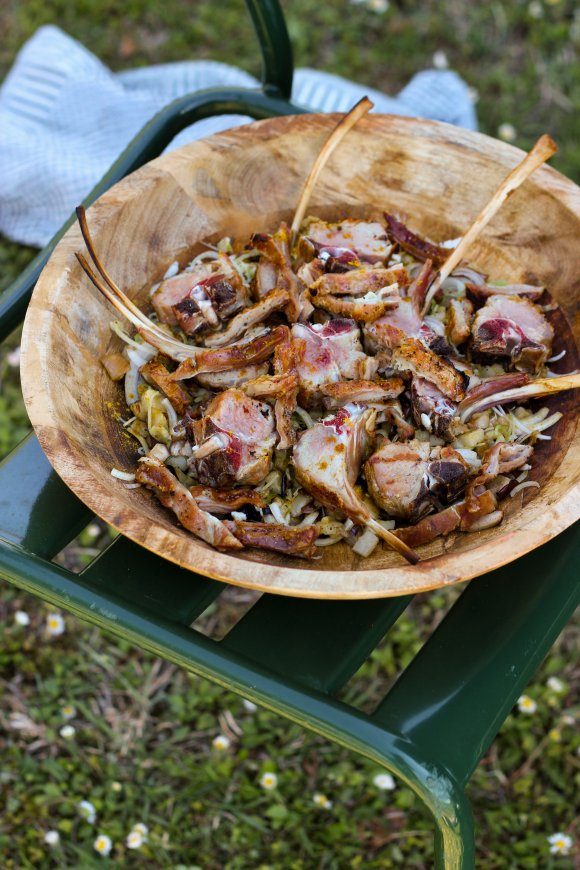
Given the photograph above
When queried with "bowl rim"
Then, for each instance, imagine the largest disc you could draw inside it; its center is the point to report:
(435, 572)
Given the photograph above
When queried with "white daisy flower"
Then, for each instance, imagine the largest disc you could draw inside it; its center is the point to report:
(526, 704)
(440, 60)
(52, 838)
(13, 358)
(507, 132)
(535, 9)
(568, 719)
(384, 781)
(103, 845)
(556, 685)
(68, 711)
(141, 827)
(250, 706)
(560, 844)
(321, 801)
(67, 732)
(116, 786)
(269, 781)
(54, 624)
(21, 618)
(380, 6)
(88, 811)
(221, 743)
(135, 839)
(94, 530)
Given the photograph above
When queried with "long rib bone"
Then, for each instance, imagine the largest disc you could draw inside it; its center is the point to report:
(344, 125)
(544, 148)
(541, 387)
(152, 333)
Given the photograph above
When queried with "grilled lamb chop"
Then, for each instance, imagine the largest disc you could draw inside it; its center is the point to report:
(265, 278)
(419, 287)
(393, 414)
(396, 476)
(366, 239)
(428, 401)
(458, 516)
(328, 353)
(448, 473)
(363, 309)
(376, 392)
(200, 299)
(271, 302)
(327, 461)
(173, 495)
(234, 440)
(159, 376)
(512, 326)
(413, 356)
(271, 386)
(223, 359)
(403, 322)
(285, 366)
(405, 479)
(275, 249)
(290, 540)
(458, 320)
(359, 282)
(409, 241)
(483, 291)
(231, 378)
(499, 459)
(224, 501)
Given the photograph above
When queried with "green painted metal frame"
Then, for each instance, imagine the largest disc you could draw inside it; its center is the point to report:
(290, 655)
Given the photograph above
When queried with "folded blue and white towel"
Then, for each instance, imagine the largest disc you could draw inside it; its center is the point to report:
(65, 117)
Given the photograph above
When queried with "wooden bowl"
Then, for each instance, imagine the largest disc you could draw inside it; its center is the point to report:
(248, 180)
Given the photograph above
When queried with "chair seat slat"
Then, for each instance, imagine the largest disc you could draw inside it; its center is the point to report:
(457, 691)
(320, 644)
(142, 578)
(37, 510)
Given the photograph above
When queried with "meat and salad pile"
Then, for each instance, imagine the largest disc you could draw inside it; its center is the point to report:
(325, 397)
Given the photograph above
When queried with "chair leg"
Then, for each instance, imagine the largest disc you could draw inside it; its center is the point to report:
(455, 839)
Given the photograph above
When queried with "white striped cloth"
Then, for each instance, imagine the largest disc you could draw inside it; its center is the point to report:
(65, 117)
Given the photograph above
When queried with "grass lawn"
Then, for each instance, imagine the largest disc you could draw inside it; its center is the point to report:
(142, 747)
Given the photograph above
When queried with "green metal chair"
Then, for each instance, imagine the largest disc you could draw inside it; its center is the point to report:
(292, 655)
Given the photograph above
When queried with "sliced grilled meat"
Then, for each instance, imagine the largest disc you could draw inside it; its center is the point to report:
(223, 359)
(173, 495)
(273, 301)
(159, 376)
(406, 479)
(240, 432)
(458, 319)
(290, 540)
(359, 282)
(224, 501)
(458, 516)
(366, 239)
(414, 357)
(432, 410)
(376, 392)
(327, 459)
(275, 249)
(513, 327)
(409, 241)
(396, 476)
(326, 354)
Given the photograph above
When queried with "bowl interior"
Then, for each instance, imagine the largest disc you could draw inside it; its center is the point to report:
(248, 180)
